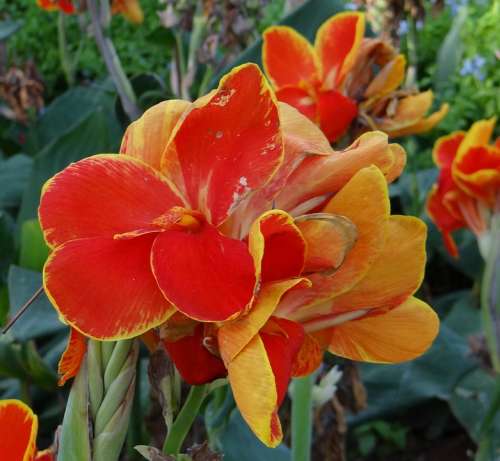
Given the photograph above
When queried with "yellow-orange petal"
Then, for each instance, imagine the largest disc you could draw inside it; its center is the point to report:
(398, 165)
(398, 271)
(254, 388)
(329, 238)
(130, 9)
(321, 175)
(422, 126)
(147, 137)
(398, 335)
(227, 145)
(19, 427)
(234, 336)
(337, 43)
(105, 288)
(277, 246)
(388, 79)
(72, 357)
(288, 58)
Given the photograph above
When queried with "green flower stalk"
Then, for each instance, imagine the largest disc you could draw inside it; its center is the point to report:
(99, 405)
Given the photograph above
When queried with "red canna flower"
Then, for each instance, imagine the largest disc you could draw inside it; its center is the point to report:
(19, 427)
(233, 225)
(334, 82)
(467, 193)
(65, 6)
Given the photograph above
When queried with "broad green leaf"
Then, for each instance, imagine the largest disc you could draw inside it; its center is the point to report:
(97, 133)
(34, 251)
(7, 247)
(7, 28)
(41, 318)
(14, 175)
(450, 52)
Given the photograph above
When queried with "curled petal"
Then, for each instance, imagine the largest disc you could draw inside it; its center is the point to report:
(147, 137)
(227, 145)
(388, 79)
(101, 196)
(253, 383)
(397, 272)
(337, 44)
(206, 275)
(446, 148)
(105, 288)
(72, 357)
(329, 238)
(336, 113)
(395, 170)
(277, 246)
(398, 335)
(196, 364)
(234, 336)
(422, 126)
(288, 58)
(19, 427)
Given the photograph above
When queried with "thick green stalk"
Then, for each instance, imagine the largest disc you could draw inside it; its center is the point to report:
(490, 293)
(184, 421)
(486, 433)
(302, 418)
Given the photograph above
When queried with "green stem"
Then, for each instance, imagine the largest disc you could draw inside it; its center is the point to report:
(302, 418)
(485, 442)
(184, 420)
(411, 75)
(66, 64)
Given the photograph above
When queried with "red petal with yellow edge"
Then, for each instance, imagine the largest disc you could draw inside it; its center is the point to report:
(45, 455)
(478, 173)
(282, 340)
(397, 272)
(337, 44)
(364, 200)
(388, 79)
(253, 384)
(19, 427)
(301, 99)
(479, 134)
(227, 145)
(421, 126)
(336, 113)
(101, 196)
(398, 335)
(446, 148)
(288, 58)
(72, 357)
(206, 275)
(326, 174)
(329, 238)
(147, 137)
(196, 364)
(309, 357)
(234, 336)
(277, 246)
(105, 288)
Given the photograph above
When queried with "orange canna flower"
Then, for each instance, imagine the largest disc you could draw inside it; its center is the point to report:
(19, 427)
(334, 82)
(467, 193)
(232, 224)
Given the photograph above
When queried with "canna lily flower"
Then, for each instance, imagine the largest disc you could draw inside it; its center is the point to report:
(334, 83)
(66, 6)
(467, 193)
(222, 226)
(19, 427)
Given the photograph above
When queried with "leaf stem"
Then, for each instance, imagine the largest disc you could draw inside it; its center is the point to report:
(184, 420)
(66, 64)
(302, 418)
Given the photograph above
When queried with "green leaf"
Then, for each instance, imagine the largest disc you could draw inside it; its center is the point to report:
(33, 251)
(7, 28)
(14, 175)
(450, 53)
(98, 132)
(7, 248)
(41, 318)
